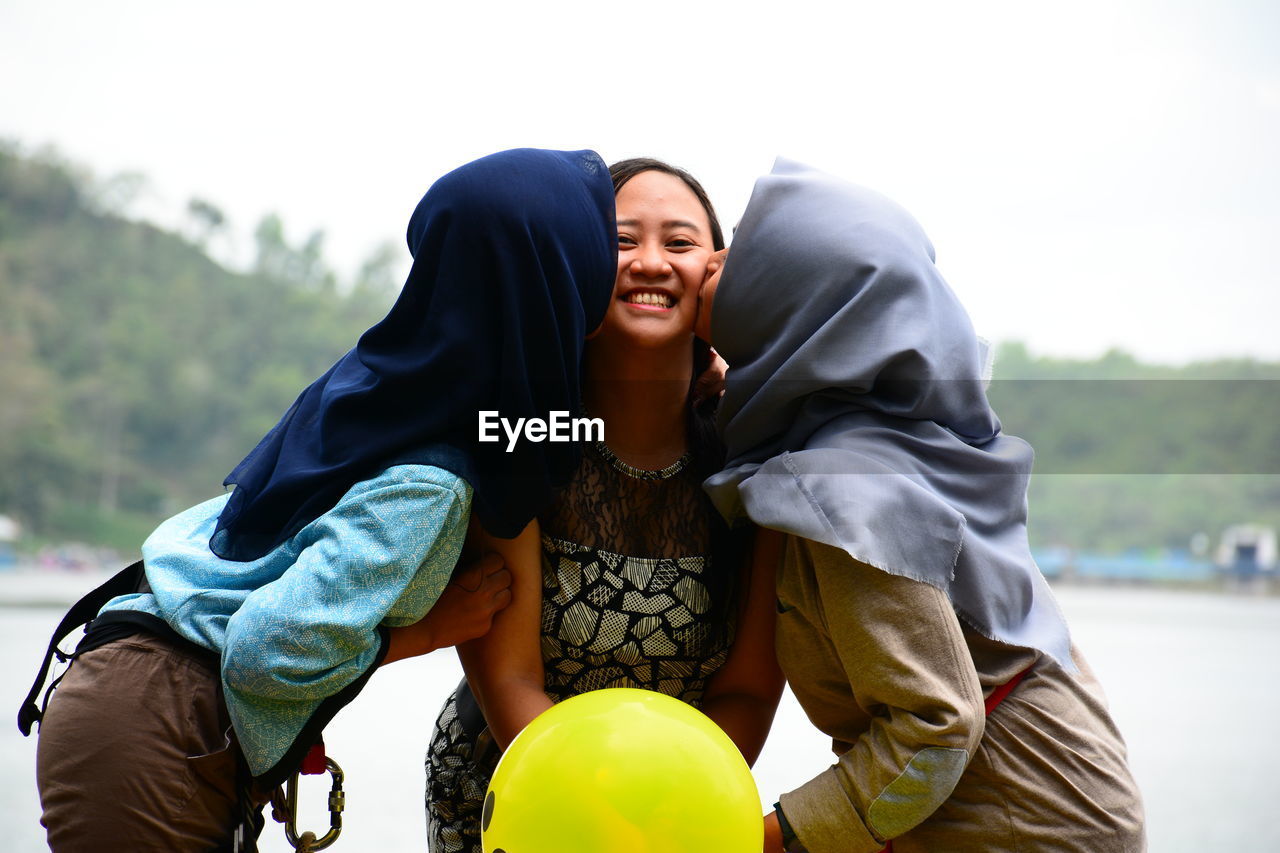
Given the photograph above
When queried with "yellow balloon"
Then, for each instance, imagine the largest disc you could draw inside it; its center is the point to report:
(622, 771)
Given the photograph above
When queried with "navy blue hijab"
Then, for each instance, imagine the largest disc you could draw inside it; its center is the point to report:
(514, 258)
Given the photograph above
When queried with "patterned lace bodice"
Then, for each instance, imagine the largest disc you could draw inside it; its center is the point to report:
(624, 600)
(624, 604)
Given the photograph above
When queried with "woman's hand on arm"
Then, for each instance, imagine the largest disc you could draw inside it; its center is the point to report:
(464, 611)
(504, 666)
(743, 695)
(309, 633)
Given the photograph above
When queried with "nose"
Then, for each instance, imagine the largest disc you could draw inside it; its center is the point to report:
(650, 262)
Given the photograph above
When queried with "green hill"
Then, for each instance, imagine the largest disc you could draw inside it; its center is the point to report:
(1133, 455)
(134, 370)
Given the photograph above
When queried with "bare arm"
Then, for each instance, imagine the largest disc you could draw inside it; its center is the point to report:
(743, 695)
(772, 834)
(504, 667)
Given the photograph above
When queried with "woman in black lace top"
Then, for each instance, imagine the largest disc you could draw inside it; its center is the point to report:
(630, 579)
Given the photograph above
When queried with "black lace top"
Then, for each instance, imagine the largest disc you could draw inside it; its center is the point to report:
(624, 598)
(626, 602)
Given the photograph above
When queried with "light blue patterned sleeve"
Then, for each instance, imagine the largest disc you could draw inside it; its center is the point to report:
(381, 556)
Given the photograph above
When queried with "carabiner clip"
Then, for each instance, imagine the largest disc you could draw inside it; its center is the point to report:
(307, 841)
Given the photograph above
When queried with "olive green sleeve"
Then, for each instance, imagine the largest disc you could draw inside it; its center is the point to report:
(905, 659)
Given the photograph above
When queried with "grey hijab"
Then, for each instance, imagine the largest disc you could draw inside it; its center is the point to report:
(855, 412)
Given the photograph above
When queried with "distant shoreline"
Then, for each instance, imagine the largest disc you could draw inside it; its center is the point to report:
(30, 587)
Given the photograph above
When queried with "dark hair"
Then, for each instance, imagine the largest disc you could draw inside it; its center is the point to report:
(708, 451)
(728, 547)
(625, 170)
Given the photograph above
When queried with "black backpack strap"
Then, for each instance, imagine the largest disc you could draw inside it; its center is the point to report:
(474, 726)
(468, 710)
(81, 613)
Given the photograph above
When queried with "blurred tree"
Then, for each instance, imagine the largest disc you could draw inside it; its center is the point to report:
(303, 267)
(273, 258)
(206, 221)
(118, 194)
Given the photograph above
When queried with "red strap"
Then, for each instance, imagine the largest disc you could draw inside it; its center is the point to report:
(997, 696)
(314, 763)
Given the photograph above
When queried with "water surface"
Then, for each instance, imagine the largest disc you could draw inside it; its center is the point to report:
(1193, 679)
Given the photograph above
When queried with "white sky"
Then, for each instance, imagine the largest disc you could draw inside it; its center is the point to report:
(1092, 175)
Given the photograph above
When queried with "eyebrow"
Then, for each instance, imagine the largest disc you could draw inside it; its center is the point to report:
(670, 223)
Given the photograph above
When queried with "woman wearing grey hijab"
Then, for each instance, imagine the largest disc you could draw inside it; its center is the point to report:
(914, 626)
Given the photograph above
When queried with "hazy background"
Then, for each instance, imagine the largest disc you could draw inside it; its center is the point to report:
(201, 207)
(1097, 175)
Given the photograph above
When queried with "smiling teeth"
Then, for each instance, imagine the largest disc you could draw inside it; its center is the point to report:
(651, 299)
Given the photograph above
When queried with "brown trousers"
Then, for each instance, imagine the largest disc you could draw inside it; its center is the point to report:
(135, 754)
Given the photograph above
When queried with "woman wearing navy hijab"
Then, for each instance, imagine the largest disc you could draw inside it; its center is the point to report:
(913, 625)
(263, 612)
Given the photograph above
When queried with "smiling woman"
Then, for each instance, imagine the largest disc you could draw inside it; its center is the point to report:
(632, 580)
(665, 236)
